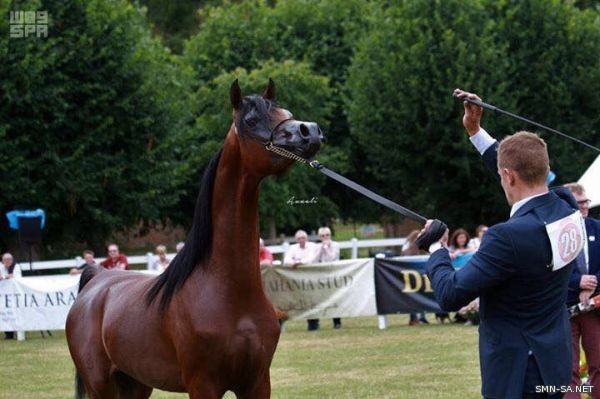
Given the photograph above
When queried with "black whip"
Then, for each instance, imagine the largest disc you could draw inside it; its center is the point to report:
(500, 110)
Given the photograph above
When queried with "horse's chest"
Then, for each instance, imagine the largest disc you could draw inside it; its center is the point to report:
(245, 344)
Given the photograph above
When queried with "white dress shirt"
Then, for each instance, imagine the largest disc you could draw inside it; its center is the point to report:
(296, 254)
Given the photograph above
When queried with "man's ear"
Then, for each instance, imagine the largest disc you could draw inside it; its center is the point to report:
(510, 176)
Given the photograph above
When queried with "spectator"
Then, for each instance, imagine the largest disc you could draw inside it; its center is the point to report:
(265, 257)
(115, 259)
(179, 246)
(9, 269)
(410, 248)
(585, 328)
(475, 242)
(161, 262)
(327, 251)
(88, 257)
(302, 252)
(459, 244)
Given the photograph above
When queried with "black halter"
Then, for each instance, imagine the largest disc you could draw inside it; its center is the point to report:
(276, 128)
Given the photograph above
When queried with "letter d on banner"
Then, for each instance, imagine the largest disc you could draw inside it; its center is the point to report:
(408, 281)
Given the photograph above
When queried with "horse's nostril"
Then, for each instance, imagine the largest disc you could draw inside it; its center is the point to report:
(304, 132)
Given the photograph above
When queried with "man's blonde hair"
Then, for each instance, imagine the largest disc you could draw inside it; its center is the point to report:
(525, 153)
(575, 188)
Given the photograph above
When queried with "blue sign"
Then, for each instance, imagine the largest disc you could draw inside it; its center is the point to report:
(13, 217)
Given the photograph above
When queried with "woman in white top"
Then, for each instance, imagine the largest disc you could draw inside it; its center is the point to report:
(162, 262)
(8, 268)
(479, 232)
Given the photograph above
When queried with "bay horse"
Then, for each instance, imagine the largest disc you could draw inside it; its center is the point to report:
(204, 326)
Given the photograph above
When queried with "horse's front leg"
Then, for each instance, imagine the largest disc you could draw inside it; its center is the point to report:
(202, 388)
(261, 390)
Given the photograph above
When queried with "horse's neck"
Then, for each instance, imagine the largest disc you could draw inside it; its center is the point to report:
(235, 230)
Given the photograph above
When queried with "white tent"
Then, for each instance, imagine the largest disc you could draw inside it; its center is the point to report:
(590, 180)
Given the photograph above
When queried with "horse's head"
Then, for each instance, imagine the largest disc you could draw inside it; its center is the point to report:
(258, 121)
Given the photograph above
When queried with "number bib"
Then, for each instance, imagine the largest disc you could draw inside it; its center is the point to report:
(567, 237)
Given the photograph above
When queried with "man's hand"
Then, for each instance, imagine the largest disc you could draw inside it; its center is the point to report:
(588, 282)
(435, 231)
(472, 116)
(584, 296)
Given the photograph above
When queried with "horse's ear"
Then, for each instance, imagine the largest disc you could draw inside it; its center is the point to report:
(270, 91)
(235, 94)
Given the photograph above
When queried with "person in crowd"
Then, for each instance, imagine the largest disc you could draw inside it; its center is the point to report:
(327, 251)
(410, 248)
(9, 269)
(585, 327)
(476, 241)
(161, 262)
(88, 261)
(524, 339)
(179, 246)
(115, 259)
(265, 257)
(459, 244)
(302, 252)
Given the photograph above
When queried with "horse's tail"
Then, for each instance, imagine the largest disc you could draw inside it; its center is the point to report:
(88, 274)
(79, 386)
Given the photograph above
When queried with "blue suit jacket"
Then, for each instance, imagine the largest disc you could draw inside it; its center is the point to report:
(592, 227)
(522, 301)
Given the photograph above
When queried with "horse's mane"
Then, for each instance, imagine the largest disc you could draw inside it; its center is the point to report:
(197, 242)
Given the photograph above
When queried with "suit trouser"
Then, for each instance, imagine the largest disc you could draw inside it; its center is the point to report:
(586, 327)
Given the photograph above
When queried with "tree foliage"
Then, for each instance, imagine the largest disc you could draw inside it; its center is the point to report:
(85, 111)
(536, 58)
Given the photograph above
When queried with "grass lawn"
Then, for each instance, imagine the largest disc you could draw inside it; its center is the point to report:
(358, 361)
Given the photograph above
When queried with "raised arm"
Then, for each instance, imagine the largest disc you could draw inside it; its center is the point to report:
(481, 140)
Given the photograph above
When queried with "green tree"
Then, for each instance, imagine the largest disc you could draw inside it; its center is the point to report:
(86, 112)
(536, 58)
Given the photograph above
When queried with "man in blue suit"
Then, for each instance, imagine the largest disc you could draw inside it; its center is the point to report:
(524, 333)
(584, 283)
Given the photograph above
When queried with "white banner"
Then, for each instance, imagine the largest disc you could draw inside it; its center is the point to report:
(324, 290)
(36, 303)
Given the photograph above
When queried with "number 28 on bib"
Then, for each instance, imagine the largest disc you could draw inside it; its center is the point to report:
(567, 237)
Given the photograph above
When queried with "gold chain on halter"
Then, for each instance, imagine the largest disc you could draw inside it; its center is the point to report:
(287, 154)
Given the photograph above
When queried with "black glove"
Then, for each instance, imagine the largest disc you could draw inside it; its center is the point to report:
(433, 234)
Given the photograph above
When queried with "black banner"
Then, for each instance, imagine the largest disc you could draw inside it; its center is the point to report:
(402, 286)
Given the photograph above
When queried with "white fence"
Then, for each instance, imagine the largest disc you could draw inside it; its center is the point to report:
(354, 244)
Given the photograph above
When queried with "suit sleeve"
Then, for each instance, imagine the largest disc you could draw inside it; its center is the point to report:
(491, 265)
(490, 158)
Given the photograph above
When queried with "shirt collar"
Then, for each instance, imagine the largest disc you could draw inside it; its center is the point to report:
(522, 202)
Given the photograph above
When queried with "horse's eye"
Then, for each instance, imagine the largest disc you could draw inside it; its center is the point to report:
(251, 121)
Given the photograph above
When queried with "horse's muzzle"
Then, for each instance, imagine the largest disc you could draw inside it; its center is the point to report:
(301, 138)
